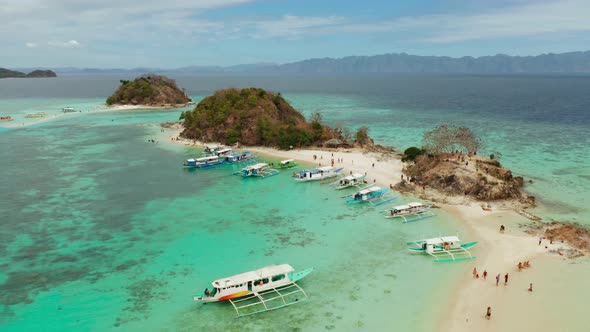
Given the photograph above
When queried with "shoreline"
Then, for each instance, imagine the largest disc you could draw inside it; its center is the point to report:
(498, 253)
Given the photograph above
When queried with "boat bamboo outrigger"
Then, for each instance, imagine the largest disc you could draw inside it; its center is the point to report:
(317, 174)
(288, 163)
(410, 212)
(352, 180)
(253, 292)
(262, 170)
(373, 195)
(444, 249)
(203, 162)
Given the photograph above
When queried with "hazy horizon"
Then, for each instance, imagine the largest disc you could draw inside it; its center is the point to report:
(180, 33)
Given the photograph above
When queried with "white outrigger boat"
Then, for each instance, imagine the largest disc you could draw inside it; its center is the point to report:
(203, 162)
(352, 180)
(443, 249)
(317, 174)
(262, 170)
(271, 287)
(410, 212)
(373, 195)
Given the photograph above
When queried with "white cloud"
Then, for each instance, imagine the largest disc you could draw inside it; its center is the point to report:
(68, 44)
(31, 45)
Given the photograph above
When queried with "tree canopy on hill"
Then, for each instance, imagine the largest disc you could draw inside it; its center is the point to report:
(253, 116)
(151, 90)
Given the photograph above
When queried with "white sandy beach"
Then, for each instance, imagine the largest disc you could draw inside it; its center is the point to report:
(498, 253)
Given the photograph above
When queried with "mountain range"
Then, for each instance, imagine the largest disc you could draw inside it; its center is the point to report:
(391, 63)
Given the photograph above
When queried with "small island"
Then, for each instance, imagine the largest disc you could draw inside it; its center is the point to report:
(255, 117)
(7, 73)
(149, 90)
(448, 163)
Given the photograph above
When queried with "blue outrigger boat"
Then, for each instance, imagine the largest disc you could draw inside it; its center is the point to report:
(373, 195)
(203, 162)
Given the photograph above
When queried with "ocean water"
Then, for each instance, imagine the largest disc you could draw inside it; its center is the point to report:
(102, 230)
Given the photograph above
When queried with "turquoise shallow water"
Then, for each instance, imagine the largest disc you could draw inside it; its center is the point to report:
(102, 230)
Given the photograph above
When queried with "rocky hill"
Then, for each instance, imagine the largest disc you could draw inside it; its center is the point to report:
(149, 90)
(7, 73)
(458, 174)
(252, 116)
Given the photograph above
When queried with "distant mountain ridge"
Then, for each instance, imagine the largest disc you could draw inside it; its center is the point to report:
(7, 73)
(394, 63)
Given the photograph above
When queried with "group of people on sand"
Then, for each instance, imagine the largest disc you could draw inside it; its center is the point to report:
(523, 265)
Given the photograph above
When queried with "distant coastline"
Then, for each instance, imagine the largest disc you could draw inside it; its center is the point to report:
(7, 73)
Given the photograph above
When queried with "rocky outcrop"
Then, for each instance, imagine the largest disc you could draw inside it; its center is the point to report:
(149, 90)
(480, 178)
(41, 73)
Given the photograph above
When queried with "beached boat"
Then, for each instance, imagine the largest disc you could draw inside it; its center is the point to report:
(211, 149)
(410, 212)
(288, 163)
(6, 118)
(262, 170)
(352, 180)
(373, 195)
(69, 110)
(238, 157)
(271, 287)
(203, 162)
(36, 115)
(316, 174)
(443, 249)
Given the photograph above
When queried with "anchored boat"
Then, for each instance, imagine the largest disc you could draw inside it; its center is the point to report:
(373, 195)
(443, 249)
(211, 149)
(69, 110)
(410, 212)
(203, 162)
(288, 163)
(262, 170)
(238, 157)
(271, 287)
(6, 118)
(353, 180)
(36, 115)
(316, 174)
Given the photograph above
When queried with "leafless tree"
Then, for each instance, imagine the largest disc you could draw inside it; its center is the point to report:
(449, 138)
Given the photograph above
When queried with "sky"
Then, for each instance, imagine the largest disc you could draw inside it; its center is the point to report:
(178, 33)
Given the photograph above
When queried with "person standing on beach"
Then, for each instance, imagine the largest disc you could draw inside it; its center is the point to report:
(474, 272)
(485, 274)
(506, 279)
(531, 287)
(489, 313)
(540, 239)
(497, 279)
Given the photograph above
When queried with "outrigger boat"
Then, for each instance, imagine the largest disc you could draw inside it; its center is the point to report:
(317, 174)
(410, 212)
(238, 158)
(203, 162)
(253, 292)
(211, 149)
(6, 118)
(69, 110)
(353, 180)
(288, 163)
(262, 170)
(444, 249)
(374, 195)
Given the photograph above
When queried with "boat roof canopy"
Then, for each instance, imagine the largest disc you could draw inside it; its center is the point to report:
(207, 158)
(224, 150)
(256, 166)
(369, 190)
(443, 239)
(262, 273)
(286, 161)
(354, 176)
(408, 206)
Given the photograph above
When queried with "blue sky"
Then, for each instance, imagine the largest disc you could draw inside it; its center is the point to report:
(176, 33)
